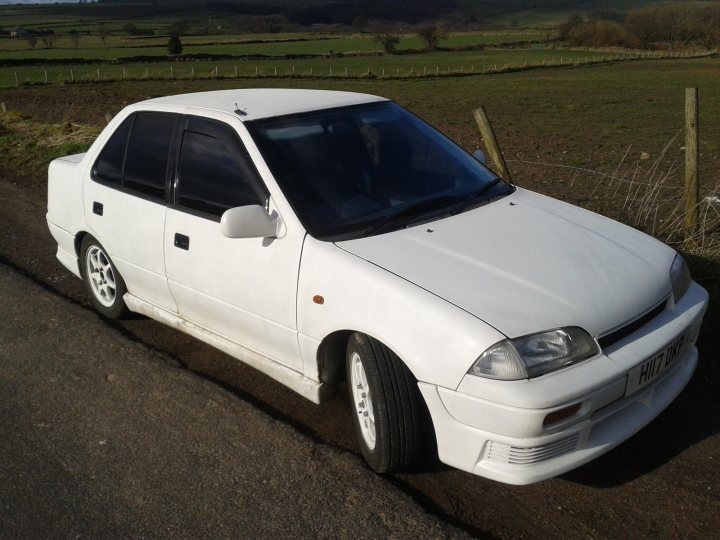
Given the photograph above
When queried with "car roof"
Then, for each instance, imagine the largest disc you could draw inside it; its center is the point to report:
(261, 102)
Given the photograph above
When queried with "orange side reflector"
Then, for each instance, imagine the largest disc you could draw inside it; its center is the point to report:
(318, 299)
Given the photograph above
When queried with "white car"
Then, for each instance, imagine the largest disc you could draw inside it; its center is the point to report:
(313, 234)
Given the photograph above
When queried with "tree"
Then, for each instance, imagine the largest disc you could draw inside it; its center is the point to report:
(674, 24)
(572, 21)
(644, 25)
(175, 45)
(600, 34)
(707, 25)
(431, 36)
(32, 41)
(388, 41)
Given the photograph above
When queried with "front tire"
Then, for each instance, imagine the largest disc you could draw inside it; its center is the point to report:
(104, 283)
(389, 413)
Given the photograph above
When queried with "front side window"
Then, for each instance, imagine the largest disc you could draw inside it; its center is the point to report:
(136, 155)
(214, 173)
(367, 169)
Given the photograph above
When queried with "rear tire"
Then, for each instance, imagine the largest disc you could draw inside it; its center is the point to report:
(389, 413)
(104, 283)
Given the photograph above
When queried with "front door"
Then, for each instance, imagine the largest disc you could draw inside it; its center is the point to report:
(243, 289)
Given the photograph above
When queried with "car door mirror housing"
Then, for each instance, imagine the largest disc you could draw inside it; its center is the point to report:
(250, 221)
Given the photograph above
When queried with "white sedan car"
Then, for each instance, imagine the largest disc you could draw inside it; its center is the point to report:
(316, 235)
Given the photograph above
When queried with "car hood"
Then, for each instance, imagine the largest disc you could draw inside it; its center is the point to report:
(527, 263)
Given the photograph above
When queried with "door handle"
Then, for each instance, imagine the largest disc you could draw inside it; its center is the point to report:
(97, 208)
(182, 241)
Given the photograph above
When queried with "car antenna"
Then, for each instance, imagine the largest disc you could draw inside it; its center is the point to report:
(239, 111)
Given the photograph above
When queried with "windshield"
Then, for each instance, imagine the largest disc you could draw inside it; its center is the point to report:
(362, 170)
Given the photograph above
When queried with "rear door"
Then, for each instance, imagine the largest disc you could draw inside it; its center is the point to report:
(241, 288)
(125, 201)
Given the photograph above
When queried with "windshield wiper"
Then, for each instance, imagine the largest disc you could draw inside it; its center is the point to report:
(419, 208)
(463, 200)
(427, 205)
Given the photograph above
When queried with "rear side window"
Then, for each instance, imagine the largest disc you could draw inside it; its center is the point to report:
(215, 172)
(109, 165)
(136, 155)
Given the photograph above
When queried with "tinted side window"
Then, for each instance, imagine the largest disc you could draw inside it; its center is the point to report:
(109, 164)
(215, 173)
(146, 159)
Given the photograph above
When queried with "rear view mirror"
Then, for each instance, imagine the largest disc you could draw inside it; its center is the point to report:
(480, 156)
(250, 221)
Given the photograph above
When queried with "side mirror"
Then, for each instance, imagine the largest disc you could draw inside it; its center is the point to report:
(248, 222)
(480, 156)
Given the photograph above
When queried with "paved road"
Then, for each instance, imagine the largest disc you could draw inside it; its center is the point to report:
(104, 436)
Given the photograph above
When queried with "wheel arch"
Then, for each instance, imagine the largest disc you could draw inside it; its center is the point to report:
(332, 351)
(79, 237)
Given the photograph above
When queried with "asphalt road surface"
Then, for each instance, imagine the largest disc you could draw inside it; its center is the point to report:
(103, 436)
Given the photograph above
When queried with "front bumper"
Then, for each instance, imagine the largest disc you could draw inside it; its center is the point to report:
(502, 437)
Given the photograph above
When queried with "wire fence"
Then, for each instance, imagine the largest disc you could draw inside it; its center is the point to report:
(648, 195)
(204, 70)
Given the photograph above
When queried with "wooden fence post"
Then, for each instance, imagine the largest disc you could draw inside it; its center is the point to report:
(491, 144)
(692, 182)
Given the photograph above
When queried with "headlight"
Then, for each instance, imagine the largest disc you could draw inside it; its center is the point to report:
(534, 355)
(679, 277)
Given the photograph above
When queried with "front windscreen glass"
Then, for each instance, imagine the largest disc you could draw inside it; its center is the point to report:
(368, 169)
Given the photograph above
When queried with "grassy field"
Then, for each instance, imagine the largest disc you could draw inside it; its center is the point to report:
(582, 117)
(417, 65)
(117, 46)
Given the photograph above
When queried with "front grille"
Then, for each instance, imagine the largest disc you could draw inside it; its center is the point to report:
(624, 331)
(517, 455)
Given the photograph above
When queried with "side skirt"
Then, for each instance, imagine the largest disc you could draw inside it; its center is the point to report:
(313, 390)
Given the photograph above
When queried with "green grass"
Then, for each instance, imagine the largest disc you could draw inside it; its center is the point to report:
(117, 46)
(592, 113)
(28, 146)
(388, 66)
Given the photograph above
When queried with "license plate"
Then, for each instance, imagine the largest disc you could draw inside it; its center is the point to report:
(642, 375)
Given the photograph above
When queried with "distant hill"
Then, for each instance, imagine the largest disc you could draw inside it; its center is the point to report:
(505, 13)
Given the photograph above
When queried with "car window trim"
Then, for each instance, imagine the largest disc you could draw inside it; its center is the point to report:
(170, 164)
(93, 177)
(255, 179)
(173, 165)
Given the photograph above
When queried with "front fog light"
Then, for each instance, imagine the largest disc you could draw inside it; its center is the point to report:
(535, 355)
(679, 277)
